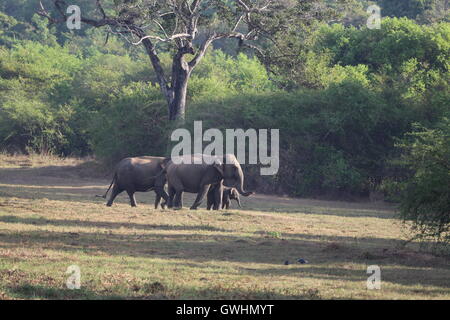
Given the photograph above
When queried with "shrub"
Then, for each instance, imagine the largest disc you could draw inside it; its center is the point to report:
(425, 194)
(134, 123)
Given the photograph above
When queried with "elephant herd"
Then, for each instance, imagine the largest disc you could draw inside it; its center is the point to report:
(220, 179)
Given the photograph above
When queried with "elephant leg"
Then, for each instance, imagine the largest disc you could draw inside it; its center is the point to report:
(200, 196)
(132, 198)
(218, 198)
(114, 193)
(238, 202)
(210, 199)
(224, 204)
(157, 200)
(178, 199)
(159, 189)
(209, 202)
(171, 197)
(161, 193)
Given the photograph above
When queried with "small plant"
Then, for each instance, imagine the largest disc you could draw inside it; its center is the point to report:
(273, 234)
(312, 293)
(154, 288)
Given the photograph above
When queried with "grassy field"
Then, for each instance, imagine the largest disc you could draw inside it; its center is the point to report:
(50, 219)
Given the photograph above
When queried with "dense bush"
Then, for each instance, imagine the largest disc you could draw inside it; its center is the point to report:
(133, 123)
(30, 75)
(425, 194)
(425, 11)
(50, 96)
(334, 141)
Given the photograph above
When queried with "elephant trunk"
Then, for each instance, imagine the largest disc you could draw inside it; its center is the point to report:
(244, 193)
(240, 186)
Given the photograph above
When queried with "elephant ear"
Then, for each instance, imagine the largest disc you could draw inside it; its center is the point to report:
(219, 167)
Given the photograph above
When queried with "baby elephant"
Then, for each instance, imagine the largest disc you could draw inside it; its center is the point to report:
(228, 194)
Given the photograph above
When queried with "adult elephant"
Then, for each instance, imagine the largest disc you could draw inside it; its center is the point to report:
(138, 174)
(200, 174)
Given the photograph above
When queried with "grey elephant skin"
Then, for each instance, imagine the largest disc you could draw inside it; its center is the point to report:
(228, 194)
(198, 178)
(139, 174)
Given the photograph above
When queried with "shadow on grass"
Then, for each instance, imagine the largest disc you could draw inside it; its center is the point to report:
(322, 207)
(41, 292)
(105, 224)
(86, 193)
(405, 276)
(209, 250)
(29, 291)
(218, 292)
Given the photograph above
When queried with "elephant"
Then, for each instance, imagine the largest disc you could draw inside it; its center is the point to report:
(139, 174)
(228, 194)
(198, 178)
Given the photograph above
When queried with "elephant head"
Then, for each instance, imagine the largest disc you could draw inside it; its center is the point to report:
(234, 195)
(232, 174)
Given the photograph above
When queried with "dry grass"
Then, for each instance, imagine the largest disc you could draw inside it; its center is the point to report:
(35, 160)
(50, 219)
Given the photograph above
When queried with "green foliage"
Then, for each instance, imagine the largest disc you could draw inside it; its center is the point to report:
(134, 120)
(25, 122)
(422, 10)
(134, 123)
(7, 33)
(398, 41)
(334, 141)
(425, 194)
(220, 75)
(49, 97)
(337, 52)
(30, 74)
(36, 29)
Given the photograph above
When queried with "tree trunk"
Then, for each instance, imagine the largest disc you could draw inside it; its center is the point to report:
(177, 101)
(181, 73)
(175, 94)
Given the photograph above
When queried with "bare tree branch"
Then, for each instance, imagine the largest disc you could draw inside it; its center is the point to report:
(201, 52)
(44, 13)
(147, 25)
(180, 35)
(100, 8)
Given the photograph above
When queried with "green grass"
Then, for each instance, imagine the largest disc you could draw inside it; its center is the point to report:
(50, 219)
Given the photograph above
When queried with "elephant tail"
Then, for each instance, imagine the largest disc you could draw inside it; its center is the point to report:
(112, 182)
